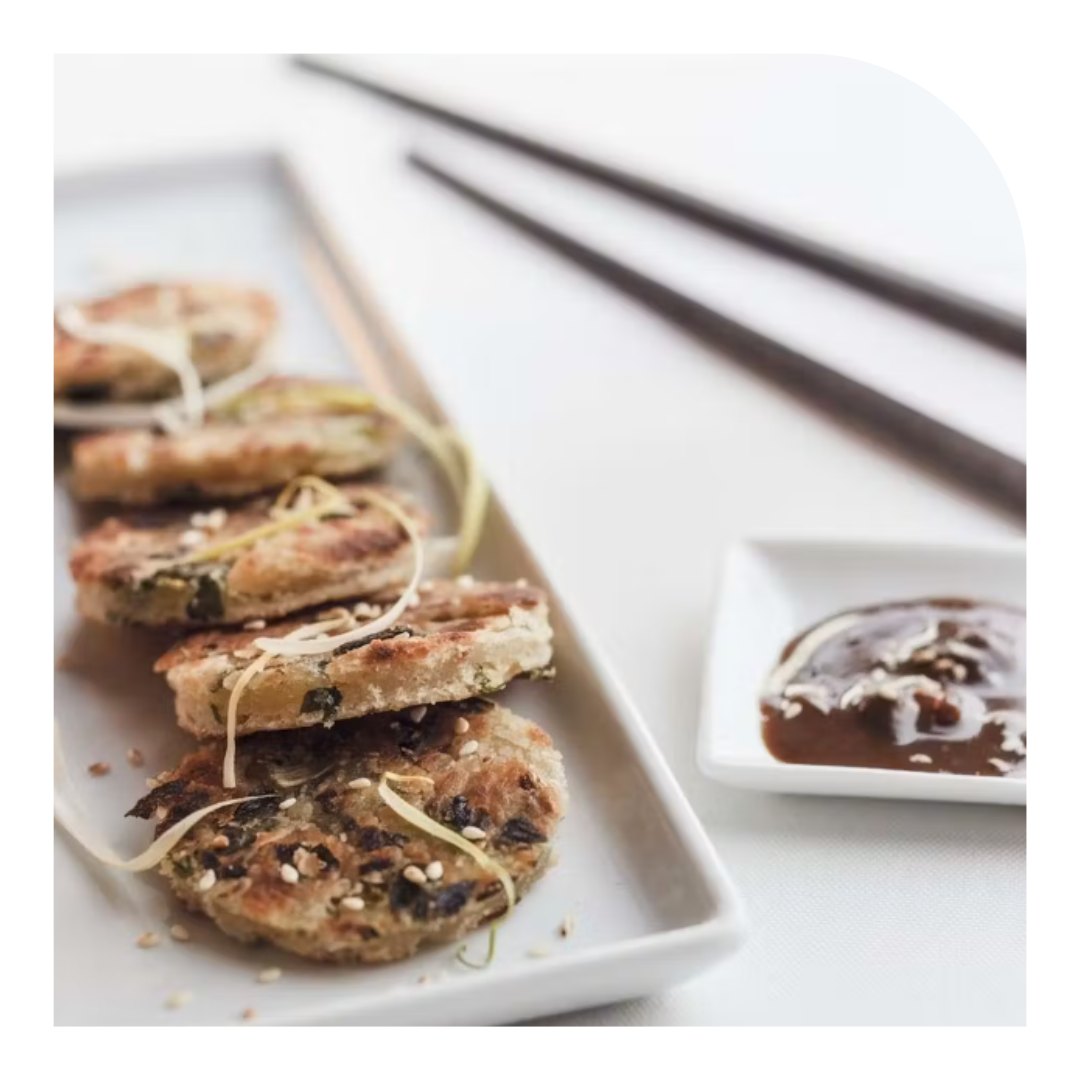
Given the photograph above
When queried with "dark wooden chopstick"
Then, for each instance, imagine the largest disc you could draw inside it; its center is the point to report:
(987, 472)
(985, 322)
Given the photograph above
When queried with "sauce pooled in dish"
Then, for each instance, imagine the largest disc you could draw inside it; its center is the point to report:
(925, 685)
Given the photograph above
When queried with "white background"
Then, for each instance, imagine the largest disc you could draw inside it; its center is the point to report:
(632, 457)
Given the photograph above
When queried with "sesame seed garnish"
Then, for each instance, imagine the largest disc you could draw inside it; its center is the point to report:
(285, 804)
(461, 725)
(135, 758)
(366, 611)
(152, 782)
(538, 952)
(433, 871)
(360, 782)
(792, 709)
(178, 1000)
(100, 768)
(219, 842)
(1001, 766)
(269, 975)
(343, 837)
(179, 932)
(566, 927)
(1013, 743)
(352, 903)
(418, 714)
(149, 940)
(255, 624)
(921, 759)
(414, 874)
(207, 881)
(469, 748)
(248, 1014)
(471, 832)
(289, 874)
(190, 538)
(466, 581)
(413, 602)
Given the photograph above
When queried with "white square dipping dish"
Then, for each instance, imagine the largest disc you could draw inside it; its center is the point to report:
(771, 589)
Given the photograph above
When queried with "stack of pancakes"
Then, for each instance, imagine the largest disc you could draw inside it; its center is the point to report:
(322, 865)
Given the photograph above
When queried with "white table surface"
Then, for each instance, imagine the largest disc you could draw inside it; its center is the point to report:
(632, 456)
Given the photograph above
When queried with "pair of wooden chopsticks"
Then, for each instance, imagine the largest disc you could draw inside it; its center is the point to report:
(982, 469)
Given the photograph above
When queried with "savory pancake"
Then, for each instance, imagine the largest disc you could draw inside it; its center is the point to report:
(326, 868)
(459, 640)
(225, 327)
(133, 571)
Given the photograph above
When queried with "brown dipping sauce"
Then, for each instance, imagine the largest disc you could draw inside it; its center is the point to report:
(926, 685)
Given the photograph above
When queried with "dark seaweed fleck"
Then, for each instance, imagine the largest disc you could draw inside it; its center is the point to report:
(326, 799)
(285, 852)
(409, 735)
(209, 600)
(453, 898)
(209, 860)
(328, 857)
(146, 806)
(526, 782)
(382, 635)
(183, 867)
(234, 871)
(375, 865)
(458, 812)
(404, 895)
(238, 839)
(490, 890)
(188, 805)
(324, 700)
(254, 809)
(520, 830)
(367, 933)
(371, 839)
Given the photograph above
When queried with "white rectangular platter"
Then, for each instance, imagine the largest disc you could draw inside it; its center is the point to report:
(650, 903)
(773, 589)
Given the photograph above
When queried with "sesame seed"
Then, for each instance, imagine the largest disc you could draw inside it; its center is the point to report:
(469, 748)
(921, 759)
(152, 782)
(178, 1000)
(219, 842)
(191, 538)
(1001, 766)
(461, 725)
(248, 1014)
(352, 903)
(538, 952)
(286, 804)
(207, 881)
(149, 940)
(100, 768)
(566, 927)
(418, 714)
(433, 871)
(360, 782)
(1013, 743)
(343, 837)
(135, 758)
(366, 611)
(179, 932)
(521, 583)
(414, 874)
(269, 975)
(792, 709)
(466, 581)
(413, 602)
(255, 624)
(471, 832)
(289, 874)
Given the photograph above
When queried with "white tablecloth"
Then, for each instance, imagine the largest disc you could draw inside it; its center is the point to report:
(632, 456)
